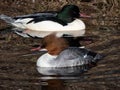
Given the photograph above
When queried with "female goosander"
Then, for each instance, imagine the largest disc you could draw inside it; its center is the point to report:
(61, 55)
(65, 22)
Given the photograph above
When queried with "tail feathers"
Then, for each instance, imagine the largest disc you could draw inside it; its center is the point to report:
(11, 21)
(7, 19)
(97, 57)
(93, 56)
(20, 32)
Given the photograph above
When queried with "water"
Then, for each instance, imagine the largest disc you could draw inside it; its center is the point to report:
(18, 69)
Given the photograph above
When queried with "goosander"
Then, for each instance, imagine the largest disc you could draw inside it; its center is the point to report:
(64, 22)
(61, 55)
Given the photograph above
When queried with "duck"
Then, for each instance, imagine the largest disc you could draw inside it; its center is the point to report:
(63, 22)
(60, 54)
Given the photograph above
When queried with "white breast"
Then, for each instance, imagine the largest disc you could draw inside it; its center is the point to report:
(46, 60)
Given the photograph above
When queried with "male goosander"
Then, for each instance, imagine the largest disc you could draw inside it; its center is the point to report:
(61, 55)
(64, 22)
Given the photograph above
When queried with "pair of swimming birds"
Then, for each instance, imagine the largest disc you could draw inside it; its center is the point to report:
(64, 23)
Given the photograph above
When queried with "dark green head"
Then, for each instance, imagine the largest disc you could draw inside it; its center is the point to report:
(68, 13)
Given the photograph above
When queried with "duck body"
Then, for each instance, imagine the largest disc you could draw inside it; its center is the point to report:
(71, 29)
(41, 24)
(72, 56)
(63, 71)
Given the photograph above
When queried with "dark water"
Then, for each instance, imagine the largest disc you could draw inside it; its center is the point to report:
(18, 69)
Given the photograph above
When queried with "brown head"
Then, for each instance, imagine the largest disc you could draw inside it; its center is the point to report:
(54, 44)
